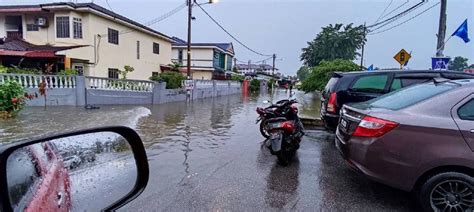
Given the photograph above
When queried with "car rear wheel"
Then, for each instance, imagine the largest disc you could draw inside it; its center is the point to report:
(450, 191)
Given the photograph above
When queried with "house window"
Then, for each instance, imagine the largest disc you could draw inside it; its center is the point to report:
(113, 73)
(156, 48)
(113, 36)
(79, 69)
(77, 28)
(138, 49)
(32, 27)
(180, 56)
(62, 27)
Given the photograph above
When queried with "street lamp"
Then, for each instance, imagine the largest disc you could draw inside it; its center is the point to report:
(190, 18)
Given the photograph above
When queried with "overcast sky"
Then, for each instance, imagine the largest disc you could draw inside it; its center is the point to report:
(285, 26)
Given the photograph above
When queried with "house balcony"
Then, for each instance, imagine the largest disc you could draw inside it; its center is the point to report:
(14, 34)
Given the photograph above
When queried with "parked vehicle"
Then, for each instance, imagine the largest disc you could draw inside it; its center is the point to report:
(87, 155)
(419, 138)
(274, 110)
(72, 162)
(362, 86)
(36, 176)
(285, 133)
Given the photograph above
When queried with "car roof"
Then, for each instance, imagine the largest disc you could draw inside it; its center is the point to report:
(396, 71)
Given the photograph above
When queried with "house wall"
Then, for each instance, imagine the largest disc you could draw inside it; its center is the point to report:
(100, 54)
(202, 75)
(199, 57)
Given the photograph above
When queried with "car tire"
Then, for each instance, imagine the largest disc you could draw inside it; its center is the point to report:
(449, 189)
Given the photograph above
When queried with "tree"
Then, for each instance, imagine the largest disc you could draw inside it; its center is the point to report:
(303, 72)
(458, 64)
(334, 42)
(321, 74)
(175, 67)
(127, 69)
(471, 66)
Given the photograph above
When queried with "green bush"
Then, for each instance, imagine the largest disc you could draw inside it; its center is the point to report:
(173, 79)
(254, 85)
(320, 75)
(17, 70)
(12, 98)
(68, 72)
(237, 78)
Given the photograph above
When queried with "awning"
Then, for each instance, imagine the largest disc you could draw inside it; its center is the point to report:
(21, 48)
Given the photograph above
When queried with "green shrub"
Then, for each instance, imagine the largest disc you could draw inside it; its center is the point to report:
(68, 72)
(320, 75)
(254, 85)
(12, 98)
(237, 78)
(173, 79)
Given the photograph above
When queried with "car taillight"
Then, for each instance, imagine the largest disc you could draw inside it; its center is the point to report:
(331, 107)
(373, 127)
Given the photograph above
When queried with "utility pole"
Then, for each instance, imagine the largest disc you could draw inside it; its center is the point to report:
(190, 17)
(249, 65)
(441, 29)
(273, 69)
(363, 47)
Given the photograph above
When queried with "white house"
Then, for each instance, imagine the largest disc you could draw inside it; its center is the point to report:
(254, 68)
(82, 36)
(208, 60)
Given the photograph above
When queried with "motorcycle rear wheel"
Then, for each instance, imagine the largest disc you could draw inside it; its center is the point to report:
(263, 128)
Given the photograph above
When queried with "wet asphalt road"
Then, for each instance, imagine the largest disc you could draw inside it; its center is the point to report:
(207, 156)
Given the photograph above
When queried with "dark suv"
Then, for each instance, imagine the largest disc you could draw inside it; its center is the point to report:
(349, 87)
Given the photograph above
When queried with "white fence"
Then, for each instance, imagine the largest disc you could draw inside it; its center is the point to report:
(118, 84)
(33, 81)
(203, 84)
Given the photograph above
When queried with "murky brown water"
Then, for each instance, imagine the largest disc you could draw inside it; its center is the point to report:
(207, 118)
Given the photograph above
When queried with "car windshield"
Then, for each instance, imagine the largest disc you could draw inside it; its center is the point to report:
(410, 96)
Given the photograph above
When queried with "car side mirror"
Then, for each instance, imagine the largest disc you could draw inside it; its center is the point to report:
(87, 170)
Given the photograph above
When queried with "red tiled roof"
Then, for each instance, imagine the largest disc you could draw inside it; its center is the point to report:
(20, 47)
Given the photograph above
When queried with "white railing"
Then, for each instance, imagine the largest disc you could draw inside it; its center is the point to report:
(220, 83)
(33, 81)
(118, 84)
(235, 84)
(204, 83)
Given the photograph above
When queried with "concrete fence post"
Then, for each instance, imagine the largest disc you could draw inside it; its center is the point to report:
(81, 91)
(214, 88)
(158, 92)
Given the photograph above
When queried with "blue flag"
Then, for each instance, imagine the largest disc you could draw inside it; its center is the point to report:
(370, 68)
(462, 32)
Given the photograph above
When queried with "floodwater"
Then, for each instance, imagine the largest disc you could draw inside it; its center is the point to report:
(207, 155)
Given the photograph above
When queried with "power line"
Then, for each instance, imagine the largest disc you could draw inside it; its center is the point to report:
(385, 10)
(155, 20)
(399, 15)
(232, 36)
(107, 1)
(403, 4)
(429, 8)
(402, 15)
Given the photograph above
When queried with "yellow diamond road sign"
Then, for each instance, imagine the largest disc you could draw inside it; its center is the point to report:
(402, 57)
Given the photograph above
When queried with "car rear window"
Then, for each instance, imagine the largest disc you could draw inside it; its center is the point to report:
(466, 112)
(375, 84)
(409, 96)
(405, 82)
(331, 86)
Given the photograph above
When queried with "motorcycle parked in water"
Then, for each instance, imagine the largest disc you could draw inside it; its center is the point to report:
(274, 110)
(284, 129)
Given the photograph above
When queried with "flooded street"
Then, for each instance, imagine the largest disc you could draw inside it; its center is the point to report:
(207, 155)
